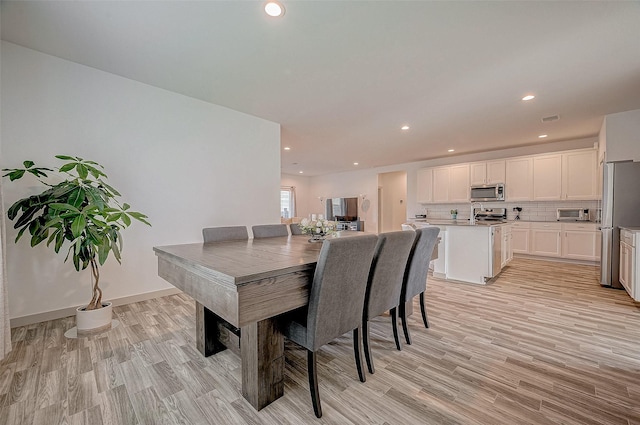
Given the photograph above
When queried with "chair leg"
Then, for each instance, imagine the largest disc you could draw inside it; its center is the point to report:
(403, 319)
(367, 348)
(394, 325)
(313, 382)
(356, 352)
(424, 311)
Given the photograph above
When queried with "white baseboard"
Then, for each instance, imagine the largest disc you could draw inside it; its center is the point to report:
(71, 311)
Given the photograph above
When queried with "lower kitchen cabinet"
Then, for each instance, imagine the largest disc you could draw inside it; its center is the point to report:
(575, 241)
(629, 263)
(507, 252)
(581, 241)
(520, 237)
(545, 239)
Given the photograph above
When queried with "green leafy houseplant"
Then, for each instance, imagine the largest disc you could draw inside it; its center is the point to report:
(82, 210)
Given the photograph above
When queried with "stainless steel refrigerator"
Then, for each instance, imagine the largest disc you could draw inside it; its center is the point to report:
(620, 207)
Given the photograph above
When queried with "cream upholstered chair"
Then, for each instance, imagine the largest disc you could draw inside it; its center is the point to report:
(415, 276)
(385, 283)
(335, 303)
(228, 233)
(269, 231)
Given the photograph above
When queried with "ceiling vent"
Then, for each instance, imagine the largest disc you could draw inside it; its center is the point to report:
(551, 118)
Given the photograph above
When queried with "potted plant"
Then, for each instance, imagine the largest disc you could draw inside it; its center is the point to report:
(454, 214)
(82, 212)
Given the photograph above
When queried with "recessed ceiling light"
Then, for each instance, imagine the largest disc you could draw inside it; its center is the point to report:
(301, 172)
(274, 8)
(542, 136)
(287, 148)
(528, 97)
(404, 127)
(451, 150)
(355, 163)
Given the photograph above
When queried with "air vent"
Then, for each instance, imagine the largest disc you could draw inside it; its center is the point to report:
(551, 118)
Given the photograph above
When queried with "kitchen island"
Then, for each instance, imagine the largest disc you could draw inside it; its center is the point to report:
(469, 253)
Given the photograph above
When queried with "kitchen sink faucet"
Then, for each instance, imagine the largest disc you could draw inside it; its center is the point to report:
(472, 219)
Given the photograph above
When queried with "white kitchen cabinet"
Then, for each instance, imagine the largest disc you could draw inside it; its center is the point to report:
(581, 241)
(424, 187)
(545, 239)
(459, 183)
(629, 263)
(441, 184)
(487, 172)
(580, 175)
(520, 238)
(567, 176)
(450, 184)
(547, 177)
(507, 253)
(519, 179)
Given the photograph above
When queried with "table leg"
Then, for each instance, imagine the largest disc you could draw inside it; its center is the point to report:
(262, 353)
(214, 334)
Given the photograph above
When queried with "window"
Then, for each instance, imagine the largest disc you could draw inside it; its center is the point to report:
(287, 202)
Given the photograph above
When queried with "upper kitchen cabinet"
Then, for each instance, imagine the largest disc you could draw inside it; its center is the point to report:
(424, 188)
(519, 179)
(547, 177)
(580, 175)
(569, 176)
(459, 183)
(488, 172)
(443, 185)
(441, 178)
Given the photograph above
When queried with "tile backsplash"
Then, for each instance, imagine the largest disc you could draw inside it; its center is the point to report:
(531, 211)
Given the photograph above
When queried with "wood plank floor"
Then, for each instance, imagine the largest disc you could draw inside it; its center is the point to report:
(543, 344)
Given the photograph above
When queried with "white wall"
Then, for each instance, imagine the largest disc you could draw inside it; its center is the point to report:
(622, 136)
(304, 198)
(366, 181)
(185, 163)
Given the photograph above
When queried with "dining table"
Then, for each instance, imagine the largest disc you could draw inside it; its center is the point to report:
(240, 287)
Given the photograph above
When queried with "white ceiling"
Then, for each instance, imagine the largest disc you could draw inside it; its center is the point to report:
(341, 77)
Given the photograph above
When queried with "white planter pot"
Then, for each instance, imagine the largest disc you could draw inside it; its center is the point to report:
(94, 320)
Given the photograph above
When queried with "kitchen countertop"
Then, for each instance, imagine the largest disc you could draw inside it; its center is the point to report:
(631, 228)
(445, 222)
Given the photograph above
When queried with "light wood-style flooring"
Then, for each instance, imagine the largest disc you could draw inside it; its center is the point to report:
(543, 344)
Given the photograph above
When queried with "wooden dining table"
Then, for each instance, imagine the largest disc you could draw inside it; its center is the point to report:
(239, 288)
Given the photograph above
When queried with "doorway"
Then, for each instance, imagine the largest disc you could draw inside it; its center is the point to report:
(392, 197)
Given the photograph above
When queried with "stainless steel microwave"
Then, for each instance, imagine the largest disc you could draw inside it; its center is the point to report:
(487, 192)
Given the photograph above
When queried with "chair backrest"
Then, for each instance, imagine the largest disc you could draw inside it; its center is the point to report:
(415, 276)
(339, 283)
(387, 272)
(229, 233)
(269, 231)
(295, 229)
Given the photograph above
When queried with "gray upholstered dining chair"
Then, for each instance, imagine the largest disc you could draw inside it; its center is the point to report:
(228, 233)
(269, 231)
(415, 276)
(385, 283)
(295, 229)
(335, 303)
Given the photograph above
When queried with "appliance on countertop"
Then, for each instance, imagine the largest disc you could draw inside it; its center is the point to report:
(572, 214)
(487, 192)
(620, 207)
(490, 215)
(595, 215)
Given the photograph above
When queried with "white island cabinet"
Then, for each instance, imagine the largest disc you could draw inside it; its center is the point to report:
(630, 261)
